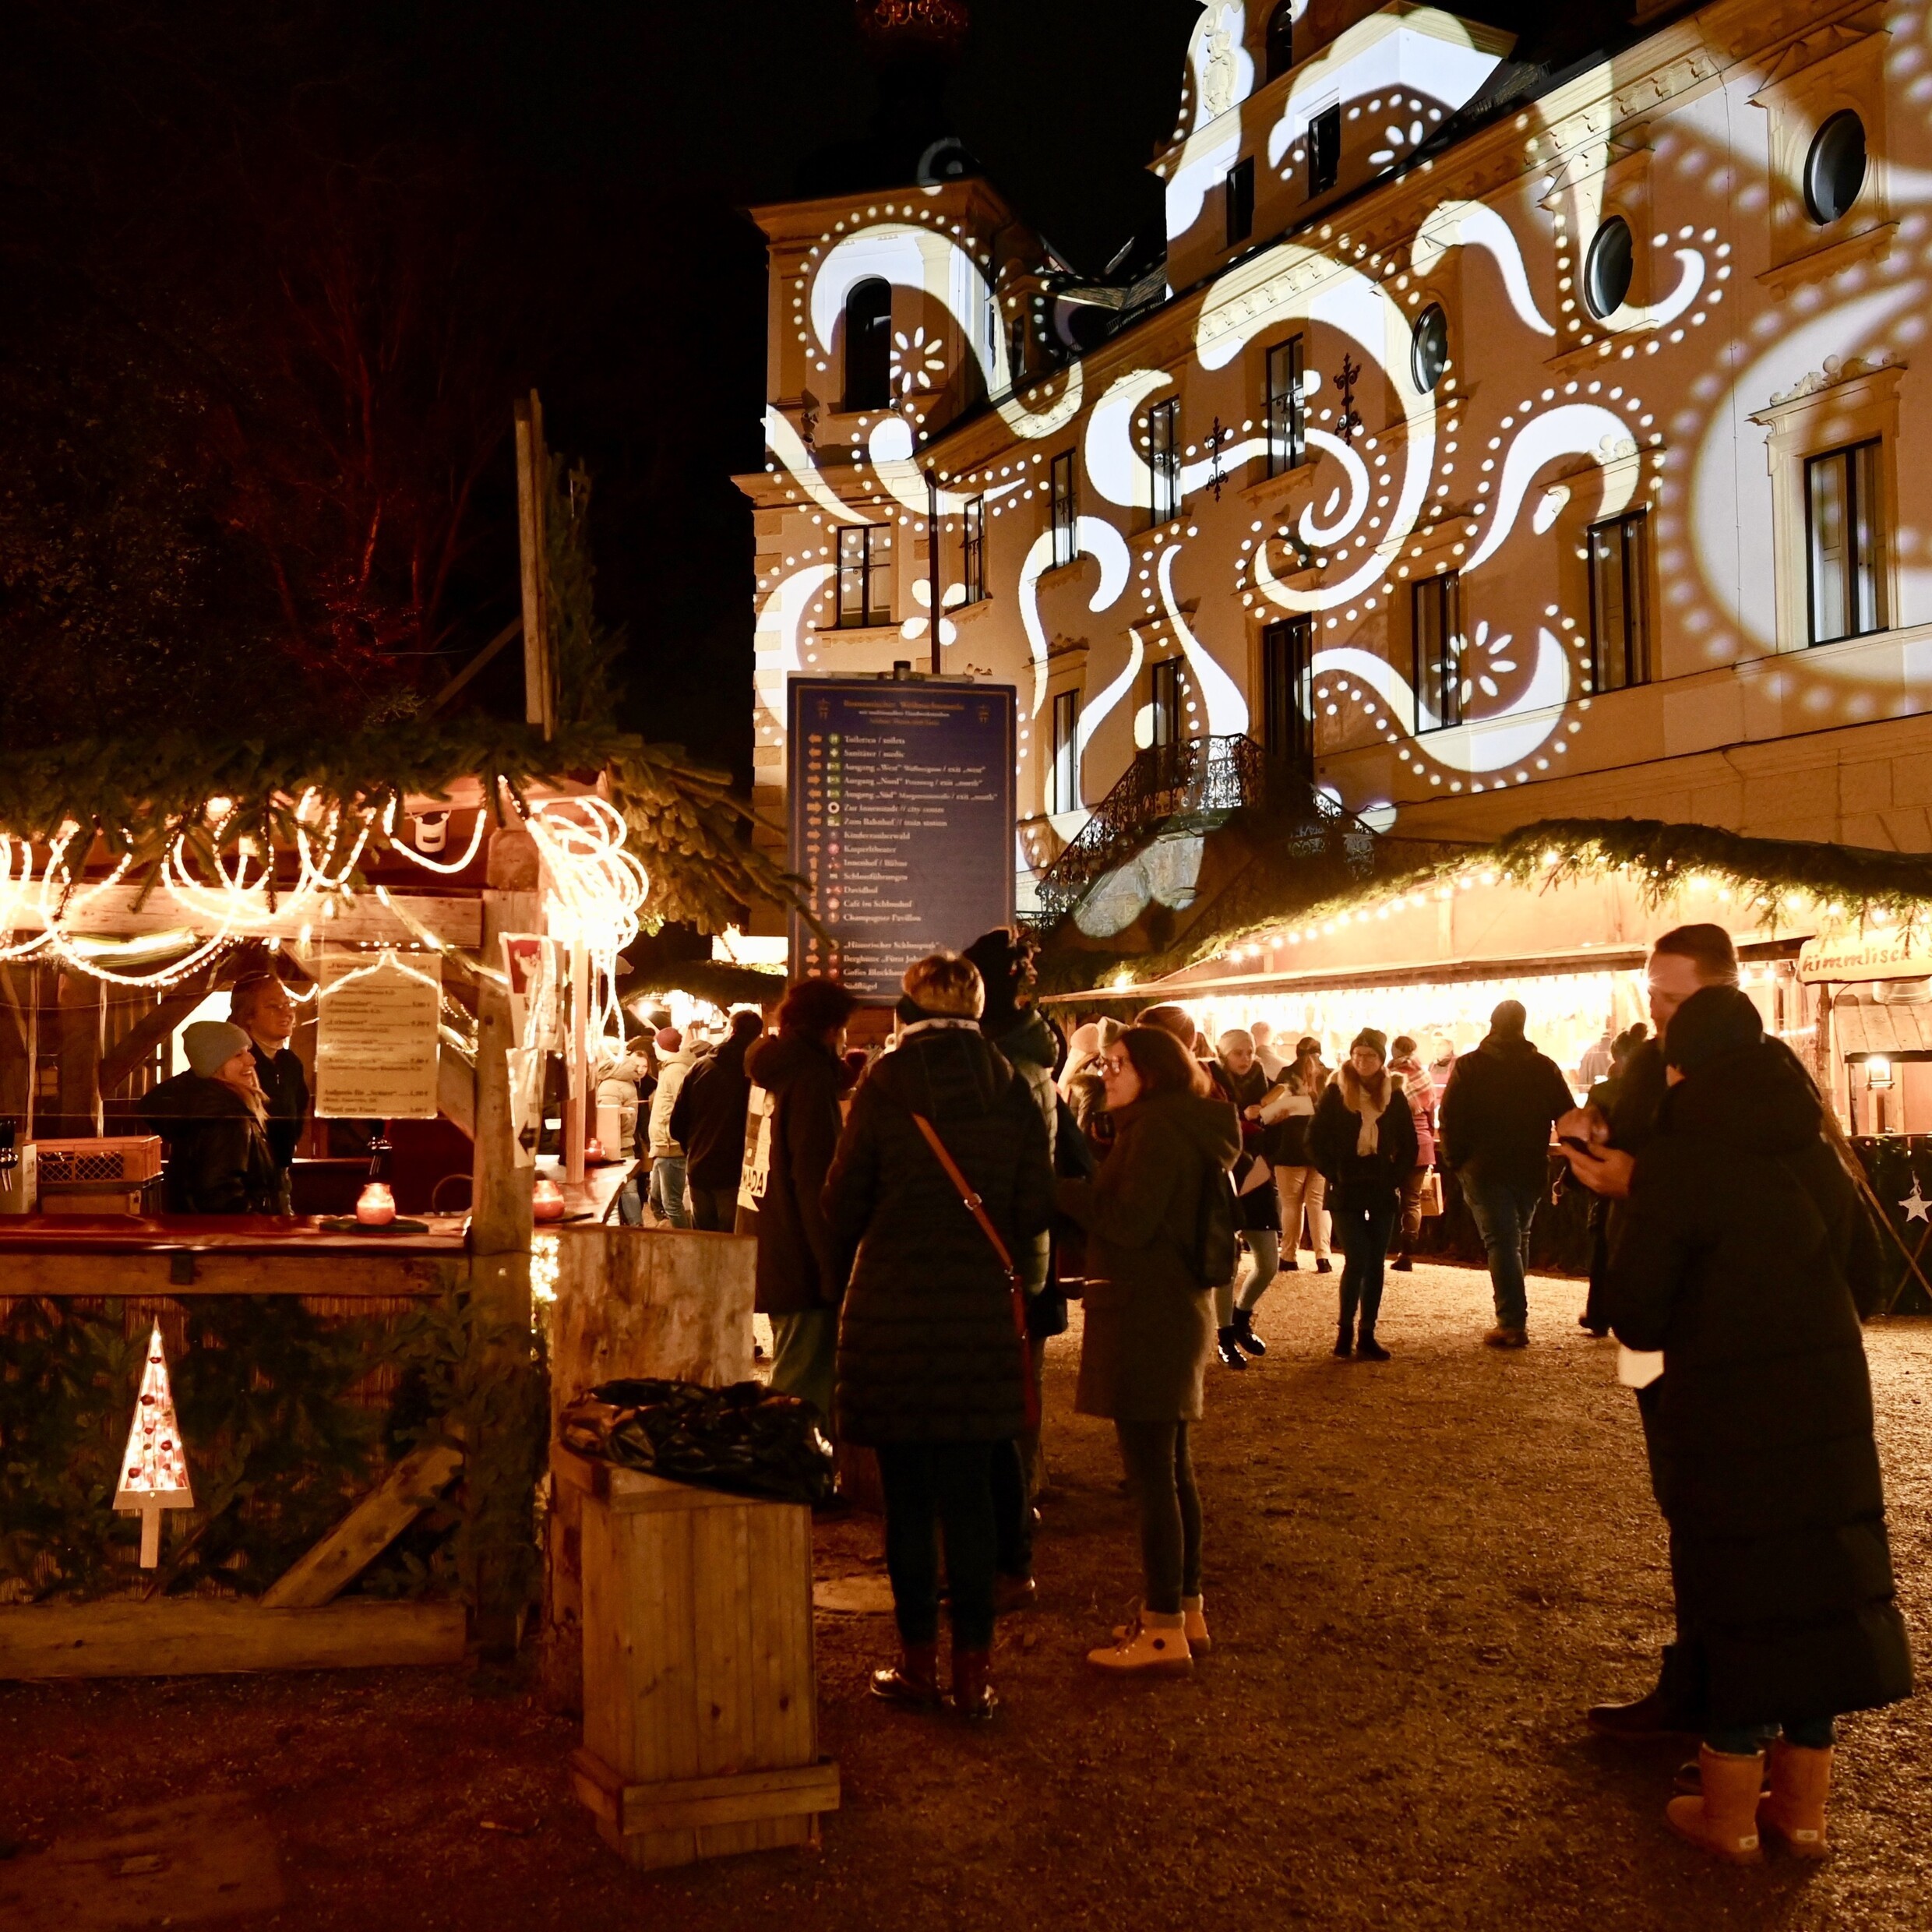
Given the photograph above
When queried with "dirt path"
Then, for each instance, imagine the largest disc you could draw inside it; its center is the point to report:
(1418, 1574)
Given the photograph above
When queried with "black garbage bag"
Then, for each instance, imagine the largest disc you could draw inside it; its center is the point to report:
(742, 1439)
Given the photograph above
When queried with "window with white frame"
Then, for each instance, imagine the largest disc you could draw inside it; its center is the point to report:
(1287, 424)
(1064, 774)
(1065, 506)
(973, 575)
(865, 576)
(1164, 459)
(1844, 543)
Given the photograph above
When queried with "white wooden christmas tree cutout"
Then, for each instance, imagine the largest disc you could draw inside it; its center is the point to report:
(154, 1468)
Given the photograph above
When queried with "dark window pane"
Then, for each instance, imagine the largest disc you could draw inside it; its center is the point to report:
(1281, 39)
(1324, 150)
(869, 344)
(1240, 197)
(1606, 272)
(1285, 422)
(1834, 168)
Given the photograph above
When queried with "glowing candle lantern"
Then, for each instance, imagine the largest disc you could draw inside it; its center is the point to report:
(375, 1205)
(154, 1467)
(546, 1200)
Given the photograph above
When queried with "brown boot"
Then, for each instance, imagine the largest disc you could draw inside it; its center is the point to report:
(1723, 1819)
(973, 1696)
(914, 1681)
(1794, 1808)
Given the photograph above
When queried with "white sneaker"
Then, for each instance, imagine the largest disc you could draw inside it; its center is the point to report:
(1155, 1646)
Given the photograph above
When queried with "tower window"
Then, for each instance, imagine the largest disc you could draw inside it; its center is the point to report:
(865, 576)
(1281, 40)
(869, 344)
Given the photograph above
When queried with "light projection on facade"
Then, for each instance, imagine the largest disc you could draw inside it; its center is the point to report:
(1586, 461)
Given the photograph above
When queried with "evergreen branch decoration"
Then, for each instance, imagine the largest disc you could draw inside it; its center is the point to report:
(694, 836)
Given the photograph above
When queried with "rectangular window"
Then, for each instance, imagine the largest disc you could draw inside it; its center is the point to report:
(974, 574)
(1165, 708)
(1063, 787)
(865, 576)
(1324, 150)
(1436, 618)
(1286, 423)
(1287, 707)
(1066, 510)
(1844, 541)
(1164, 458)
(1239, 189)
(1619, 602)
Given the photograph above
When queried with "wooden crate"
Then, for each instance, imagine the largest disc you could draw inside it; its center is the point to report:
(700, 1686)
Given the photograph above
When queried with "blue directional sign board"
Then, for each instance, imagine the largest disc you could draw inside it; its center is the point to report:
(901, 822)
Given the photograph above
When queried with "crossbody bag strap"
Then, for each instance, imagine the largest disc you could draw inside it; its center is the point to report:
(975, 1206)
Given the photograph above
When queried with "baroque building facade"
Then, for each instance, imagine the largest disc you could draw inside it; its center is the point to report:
(1494, 443)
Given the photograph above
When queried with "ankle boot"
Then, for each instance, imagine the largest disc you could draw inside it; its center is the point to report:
(1404, 1263)
(1369, 1348)
(973, 1697)
(1722, 1818)
(1344, 1341)
(1152, 1646)
(1794, 1808)
(1229, 1351)
(914, 1681)
(1244, 1332)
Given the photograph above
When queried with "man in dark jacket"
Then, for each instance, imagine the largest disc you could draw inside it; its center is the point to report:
(261, 1007)
(1494, 1131)
(708, 1122)
(1735, 1256)
(799, 1283)
(932, 1371)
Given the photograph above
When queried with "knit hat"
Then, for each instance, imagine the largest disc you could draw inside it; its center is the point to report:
(1715, 1020)
(669, 1039)
(211, 1044)
(1376, 1042)
(1509, 1019)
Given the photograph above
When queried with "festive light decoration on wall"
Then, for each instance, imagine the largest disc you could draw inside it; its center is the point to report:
(154, 1465)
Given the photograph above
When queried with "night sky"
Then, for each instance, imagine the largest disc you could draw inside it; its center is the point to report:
(493, 194)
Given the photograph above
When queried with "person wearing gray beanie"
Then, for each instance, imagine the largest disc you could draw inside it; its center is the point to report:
(212, 1120)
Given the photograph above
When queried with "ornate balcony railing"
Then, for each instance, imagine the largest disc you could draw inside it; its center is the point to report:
(1197, 776)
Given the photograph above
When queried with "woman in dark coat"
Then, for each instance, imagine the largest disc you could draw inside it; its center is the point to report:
(1238, 1073)
(931, 1352)
(213, 1120)
(798, 1282)
(1148, 1329)
(1363, 1139)
(1737, 1256)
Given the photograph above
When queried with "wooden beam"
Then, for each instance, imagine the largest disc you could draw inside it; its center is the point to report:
(112, 910)
(685, 1804)
(512, 629)
(367, 1531)
(148, 1032)
(159, 1271)
(192, 1636)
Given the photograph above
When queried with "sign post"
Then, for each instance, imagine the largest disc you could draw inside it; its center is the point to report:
(901, 822)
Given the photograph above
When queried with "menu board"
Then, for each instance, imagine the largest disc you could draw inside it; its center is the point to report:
(377, 1020)
(901, 823)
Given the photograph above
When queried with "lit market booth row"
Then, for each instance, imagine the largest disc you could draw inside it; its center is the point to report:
(1835, 946)
(253, 1439)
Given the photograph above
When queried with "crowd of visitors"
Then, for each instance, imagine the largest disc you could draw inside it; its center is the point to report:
(924, 1214)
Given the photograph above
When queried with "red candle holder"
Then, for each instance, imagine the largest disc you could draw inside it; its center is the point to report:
(375, 1205)
(546, 1200)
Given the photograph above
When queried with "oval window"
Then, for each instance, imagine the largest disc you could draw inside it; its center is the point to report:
(1429, 353)
(1834, 169)
(1606, 275)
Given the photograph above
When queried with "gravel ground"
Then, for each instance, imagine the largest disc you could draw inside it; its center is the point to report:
(1419, 1575)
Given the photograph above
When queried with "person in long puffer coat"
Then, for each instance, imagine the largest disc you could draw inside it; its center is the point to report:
(932, 1358)
(1737, 1255)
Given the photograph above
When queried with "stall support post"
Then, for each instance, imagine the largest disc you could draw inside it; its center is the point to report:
(579, 1082)
(499, 1213)
(79, 998)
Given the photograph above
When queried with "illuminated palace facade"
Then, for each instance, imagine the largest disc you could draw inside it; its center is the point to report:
(1492, 445)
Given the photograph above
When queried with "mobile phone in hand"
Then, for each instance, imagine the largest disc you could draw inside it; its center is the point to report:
(1580, 1147)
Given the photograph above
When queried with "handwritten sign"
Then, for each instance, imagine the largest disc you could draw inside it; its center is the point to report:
(901, 823)
(377, 1015)
(1848, 957)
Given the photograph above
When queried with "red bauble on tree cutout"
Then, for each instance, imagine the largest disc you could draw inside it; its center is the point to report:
(154, 1465)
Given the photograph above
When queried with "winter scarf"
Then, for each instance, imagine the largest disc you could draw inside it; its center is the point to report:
(1366, 1098)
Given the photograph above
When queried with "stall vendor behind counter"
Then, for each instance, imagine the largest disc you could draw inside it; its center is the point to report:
(261, 1007)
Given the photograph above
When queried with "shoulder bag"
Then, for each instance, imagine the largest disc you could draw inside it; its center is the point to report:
(977, 1208)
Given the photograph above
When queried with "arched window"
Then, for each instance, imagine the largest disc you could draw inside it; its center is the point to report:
(1281, 39)
(869, 344)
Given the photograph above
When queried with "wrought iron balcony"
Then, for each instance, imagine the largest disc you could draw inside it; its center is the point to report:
(1200, 780)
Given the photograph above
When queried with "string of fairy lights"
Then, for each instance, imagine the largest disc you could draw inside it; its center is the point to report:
(228, 883)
